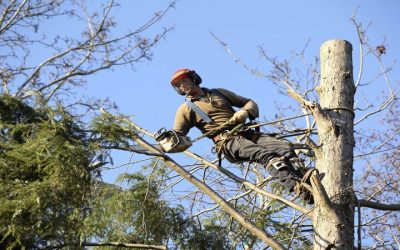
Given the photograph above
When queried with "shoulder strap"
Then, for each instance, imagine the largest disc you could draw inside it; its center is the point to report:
(198, 111)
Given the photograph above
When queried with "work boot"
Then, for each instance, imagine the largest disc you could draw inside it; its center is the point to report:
(303, 192)
(283, 171)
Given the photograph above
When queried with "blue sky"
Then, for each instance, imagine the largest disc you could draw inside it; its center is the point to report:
(280, 27)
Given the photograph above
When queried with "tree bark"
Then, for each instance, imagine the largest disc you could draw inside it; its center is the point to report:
(333, 218)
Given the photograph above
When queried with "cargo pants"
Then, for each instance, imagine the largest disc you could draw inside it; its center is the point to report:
(261, 148)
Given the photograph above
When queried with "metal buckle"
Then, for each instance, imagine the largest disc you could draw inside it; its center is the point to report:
(223, 135)
(279, 165)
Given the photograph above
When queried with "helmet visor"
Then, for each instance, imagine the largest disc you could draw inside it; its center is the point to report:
(178, 90)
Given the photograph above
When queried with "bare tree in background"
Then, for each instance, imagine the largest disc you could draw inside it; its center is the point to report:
(36, 64)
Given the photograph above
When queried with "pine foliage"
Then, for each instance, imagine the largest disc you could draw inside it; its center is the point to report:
(44, 177)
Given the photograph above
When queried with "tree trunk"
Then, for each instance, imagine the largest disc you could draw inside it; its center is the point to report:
(334, 220)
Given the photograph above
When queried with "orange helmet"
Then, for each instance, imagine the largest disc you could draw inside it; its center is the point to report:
(182, 73)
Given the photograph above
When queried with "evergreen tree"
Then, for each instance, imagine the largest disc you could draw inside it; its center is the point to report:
(44, 176)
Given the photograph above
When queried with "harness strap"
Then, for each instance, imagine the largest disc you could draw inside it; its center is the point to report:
(198, 111)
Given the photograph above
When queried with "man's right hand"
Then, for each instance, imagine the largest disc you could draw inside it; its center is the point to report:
(239, 117)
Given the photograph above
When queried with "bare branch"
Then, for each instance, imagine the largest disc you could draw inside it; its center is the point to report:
(361, 40)
(377, 53)
(236, 58)
(72, 59)
(376, 150)
(379, 206)
(381, 108)
(12, 19)
(217, 206)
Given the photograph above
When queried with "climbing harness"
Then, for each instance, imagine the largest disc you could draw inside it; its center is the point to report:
(224, 137)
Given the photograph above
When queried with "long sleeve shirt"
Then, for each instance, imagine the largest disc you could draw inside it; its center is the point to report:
(218, 109)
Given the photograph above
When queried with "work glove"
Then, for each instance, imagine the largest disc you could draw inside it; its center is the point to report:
(239, 117)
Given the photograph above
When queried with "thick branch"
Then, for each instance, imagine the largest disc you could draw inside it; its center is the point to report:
(314, 108)
(319, 192)
(379, 206)
(213, 195)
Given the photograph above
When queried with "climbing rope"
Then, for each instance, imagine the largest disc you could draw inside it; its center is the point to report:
(252, 125)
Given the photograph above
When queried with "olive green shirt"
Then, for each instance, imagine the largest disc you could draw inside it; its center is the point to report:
(218, 109)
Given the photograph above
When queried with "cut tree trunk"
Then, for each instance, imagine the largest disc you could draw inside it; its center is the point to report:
(334, 220)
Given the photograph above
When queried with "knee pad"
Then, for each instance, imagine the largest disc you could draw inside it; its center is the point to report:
(277, 163)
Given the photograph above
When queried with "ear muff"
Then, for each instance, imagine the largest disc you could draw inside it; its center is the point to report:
(196, 78)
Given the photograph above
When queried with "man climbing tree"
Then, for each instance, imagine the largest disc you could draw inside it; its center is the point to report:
(211, 111)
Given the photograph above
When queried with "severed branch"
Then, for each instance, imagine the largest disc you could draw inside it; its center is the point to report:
(319, 192)
(314, 107)
(379, 206)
